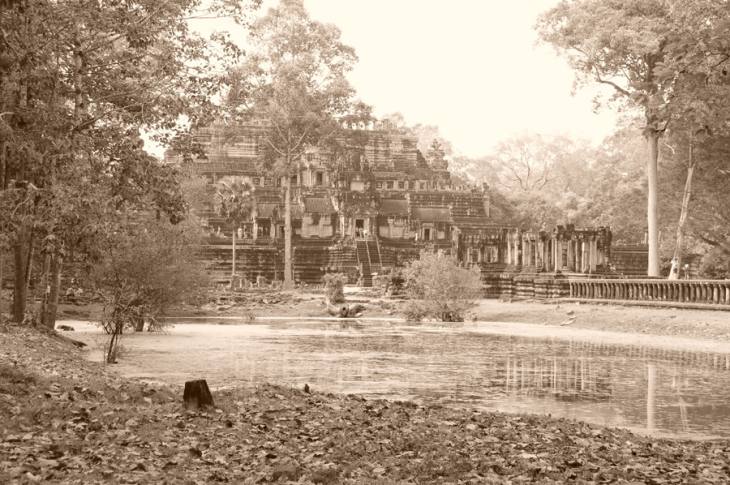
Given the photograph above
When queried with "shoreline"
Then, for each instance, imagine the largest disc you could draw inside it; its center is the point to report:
(514, 329)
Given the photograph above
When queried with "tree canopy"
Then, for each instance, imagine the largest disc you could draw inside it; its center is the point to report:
(646, 51)
(81, 81)
(293, 80)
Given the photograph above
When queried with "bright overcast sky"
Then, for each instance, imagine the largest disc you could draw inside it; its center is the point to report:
(470, 67)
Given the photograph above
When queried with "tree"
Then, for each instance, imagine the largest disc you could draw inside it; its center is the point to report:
(524, 163)
(617, 188)
(427, 134)
(144, 266)
(80, 80)
(294, 79)
(704, 228)
(642, 50)
(622, 44)
(438, 287)
(701, 100)
(544, 179)
(235, 203)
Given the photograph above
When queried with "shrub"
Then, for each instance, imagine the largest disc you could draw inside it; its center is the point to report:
(390, 284)
(334, 284)
(716, 263)
(437, 287)
(145, 266)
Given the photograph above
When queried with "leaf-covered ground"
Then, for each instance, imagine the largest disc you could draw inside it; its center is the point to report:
(63, 419)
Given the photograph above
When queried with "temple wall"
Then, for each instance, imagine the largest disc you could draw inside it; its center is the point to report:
(323, 227)
(630, 260)
(540, 286)
(311, 261)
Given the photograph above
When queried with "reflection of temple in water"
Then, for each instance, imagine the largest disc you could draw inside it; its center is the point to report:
(564, 379)
(639, 387)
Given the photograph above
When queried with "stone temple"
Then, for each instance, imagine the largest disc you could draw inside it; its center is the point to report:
(371, 210)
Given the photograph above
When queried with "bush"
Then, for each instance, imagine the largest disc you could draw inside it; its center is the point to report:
(334, 284)
(716, 264)
(390, 284)
(437, 287)
(145, 267)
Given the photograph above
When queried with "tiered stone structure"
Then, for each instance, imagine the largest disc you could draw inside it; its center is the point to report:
(373, 207)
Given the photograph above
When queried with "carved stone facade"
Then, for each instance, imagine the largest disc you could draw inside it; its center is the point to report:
(370, 209)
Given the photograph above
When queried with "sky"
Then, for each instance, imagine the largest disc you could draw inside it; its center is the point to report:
(471, 67)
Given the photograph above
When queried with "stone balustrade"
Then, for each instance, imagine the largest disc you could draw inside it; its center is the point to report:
(680, 291)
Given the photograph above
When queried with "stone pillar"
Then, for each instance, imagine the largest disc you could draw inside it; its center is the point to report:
(554, 257)
(571, 255)
(533, 253)
(509, 248)
(549, 255)
(593, 255)
(553, 244)
(578, 255)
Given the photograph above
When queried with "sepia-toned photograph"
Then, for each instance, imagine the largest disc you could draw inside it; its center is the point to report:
(364, 241)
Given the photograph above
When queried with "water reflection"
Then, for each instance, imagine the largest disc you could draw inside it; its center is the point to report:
(638, 387)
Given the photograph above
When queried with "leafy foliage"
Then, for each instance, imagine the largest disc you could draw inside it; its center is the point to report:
(145, 266)
(437, 287)
(235, 200)
(334, 284)
(294, 81)
(79, 82)
(661, 57)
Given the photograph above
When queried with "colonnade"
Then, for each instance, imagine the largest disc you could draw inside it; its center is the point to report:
(564, 249)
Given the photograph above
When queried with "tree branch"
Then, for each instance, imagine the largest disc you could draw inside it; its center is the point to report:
(612, 84)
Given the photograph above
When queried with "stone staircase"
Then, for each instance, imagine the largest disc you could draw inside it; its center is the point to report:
(314, 258)
(260, 260)
(368, 257)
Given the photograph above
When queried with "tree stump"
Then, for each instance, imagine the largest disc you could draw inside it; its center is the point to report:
(197, 395)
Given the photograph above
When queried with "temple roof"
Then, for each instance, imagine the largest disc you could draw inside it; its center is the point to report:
(432, 214)
(397, 207)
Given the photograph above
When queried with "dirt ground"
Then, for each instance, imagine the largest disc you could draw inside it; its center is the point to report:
(689, 323)
(706, 324)
(680, 322)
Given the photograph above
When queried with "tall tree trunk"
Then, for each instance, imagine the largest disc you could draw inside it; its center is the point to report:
(288, 281)
(3, 165)
(652, 137)
(2, 276)
(45, 287)
(54, 285)
(19, 289)
(233, 257)
(686, 196)
(23, 254)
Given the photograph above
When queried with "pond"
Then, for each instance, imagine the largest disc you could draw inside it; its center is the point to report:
(649, 389)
